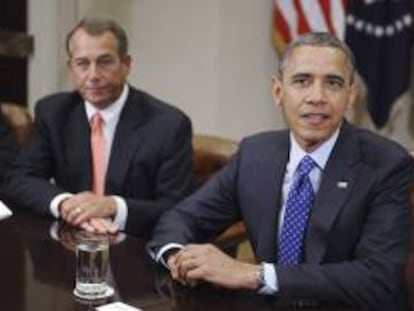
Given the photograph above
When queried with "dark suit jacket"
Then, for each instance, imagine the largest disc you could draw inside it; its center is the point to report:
(357, 241)
(150, 164)
(8, 148)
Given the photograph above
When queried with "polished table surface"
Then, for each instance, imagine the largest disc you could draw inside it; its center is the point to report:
(37, 268)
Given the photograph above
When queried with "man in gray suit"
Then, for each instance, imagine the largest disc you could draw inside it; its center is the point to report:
(338, 233)
(121, 174)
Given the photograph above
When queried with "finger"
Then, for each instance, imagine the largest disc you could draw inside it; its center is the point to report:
(66, 206)
(172, 260)
(183, 255)
(98, 226)
(173, 266)
(83, 215)
(89, 209)
(194, 276)
(174, 272)
(85, 196)
(73, 213)
(110, 227)
(87, 227)
(184, 267)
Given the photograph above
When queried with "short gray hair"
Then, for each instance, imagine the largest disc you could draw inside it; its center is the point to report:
(319, 39)
(95, 26)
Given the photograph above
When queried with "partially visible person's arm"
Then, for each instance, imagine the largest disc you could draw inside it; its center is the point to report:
(28, 184)
(8, 148)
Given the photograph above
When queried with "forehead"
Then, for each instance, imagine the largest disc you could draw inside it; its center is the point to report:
(316, 60)
(82, 43)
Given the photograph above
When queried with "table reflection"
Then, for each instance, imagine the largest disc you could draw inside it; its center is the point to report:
(38, 266)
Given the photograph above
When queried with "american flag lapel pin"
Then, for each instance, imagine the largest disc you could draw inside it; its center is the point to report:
(342, 184)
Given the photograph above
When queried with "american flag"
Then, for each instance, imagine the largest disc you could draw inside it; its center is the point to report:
(379, 32)
(295, 17)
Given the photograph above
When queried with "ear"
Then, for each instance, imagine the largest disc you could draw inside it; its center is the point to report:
(277, 91)
(355, 95)
(69, 69)
(127, 62)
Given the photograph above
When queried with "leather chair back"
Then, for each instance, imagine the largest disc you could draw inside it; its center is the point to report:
(19, 119)
(210, 154)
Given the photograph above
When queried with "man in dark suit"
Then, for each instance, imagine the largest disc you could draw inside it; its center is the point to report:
(137, 157)
(351, 246)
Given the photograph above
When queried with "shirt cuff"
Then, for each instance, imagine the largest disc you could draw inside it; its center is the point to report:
(54, 204)
(121, 212)
(271, 284)
(158, 257)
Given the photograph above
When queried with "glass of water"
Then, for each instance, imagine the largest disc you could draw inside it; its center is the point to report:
(92, 262)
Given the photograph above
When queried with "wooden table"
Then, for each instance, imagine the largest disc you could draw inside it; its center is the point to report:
(38, 273)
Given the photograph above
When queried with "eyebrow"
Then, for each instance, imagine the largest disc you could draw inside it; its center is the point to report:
(328, 76)
(335, 77)
(105, 55)
(301, 75)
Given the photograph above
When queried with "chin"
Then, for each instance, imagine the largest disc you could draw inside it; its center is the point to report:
(315, 139)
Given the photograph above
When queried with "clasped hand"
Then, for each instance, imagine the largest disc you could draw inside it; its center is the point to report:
(89, 211)
(205, 262)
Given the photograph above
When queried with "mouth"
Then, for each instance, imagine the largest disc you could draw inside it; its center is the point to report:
(96, 89)
(314, 118)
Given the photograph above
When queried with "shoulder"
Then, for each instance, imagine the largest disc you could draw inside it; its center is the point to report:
(57, 103)
(265, 145)
(269, 139)
(378, 150)
(152, 106)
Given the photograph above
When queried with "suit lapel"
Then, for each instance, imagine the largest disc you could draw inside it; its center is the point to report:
(337, 181)
(77, 146)
(126, 140)
(274, 168)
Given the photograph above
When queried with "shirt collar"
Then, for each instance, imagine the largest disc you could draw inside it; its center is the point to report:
(112, 111)
(320, 155)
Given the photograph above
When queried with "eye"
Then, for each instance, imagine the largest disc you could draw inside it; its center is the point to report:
(301, 81)
(81, 64)
(335, 84)
(104, 62)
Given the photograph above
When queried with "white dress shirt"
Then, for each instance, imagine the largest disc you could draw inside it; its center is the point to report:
(111, 116)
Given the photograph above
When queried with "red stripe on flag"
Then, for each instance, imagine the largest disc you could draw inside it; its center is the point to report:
(302, 22)
(326, 9)
(281, 26)
(345, 4)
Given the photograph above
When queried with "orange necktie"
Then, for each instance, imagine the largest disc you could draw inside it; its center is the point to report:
(98, 154)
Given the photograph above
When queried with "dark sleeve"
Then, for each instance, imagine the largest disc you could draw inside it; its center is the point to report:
(8, 148)
(203, 215)
(375, 276)
(28, 184)
(174, 180)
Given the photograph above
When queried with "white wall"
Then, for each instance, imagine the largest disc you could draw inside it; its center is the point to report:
(213, 59)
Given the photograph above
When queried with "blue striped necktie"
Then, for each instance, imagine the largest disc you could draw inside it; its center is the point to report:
(299, 202)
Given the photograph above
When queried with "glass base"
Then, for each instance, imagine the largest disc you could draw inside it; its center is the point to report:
(109, 291)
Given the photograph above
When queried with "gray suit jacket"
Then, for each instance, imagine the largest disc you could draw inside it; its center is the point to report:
(357, 241)
(150, 163)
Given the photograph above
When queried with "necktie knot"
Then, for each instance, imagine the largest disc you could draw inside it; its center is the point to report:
(97, 121)
(306, 165)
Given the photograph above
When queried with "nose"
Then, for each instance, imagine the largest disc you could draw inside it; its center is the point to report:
(316, 94)
(93, 72)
